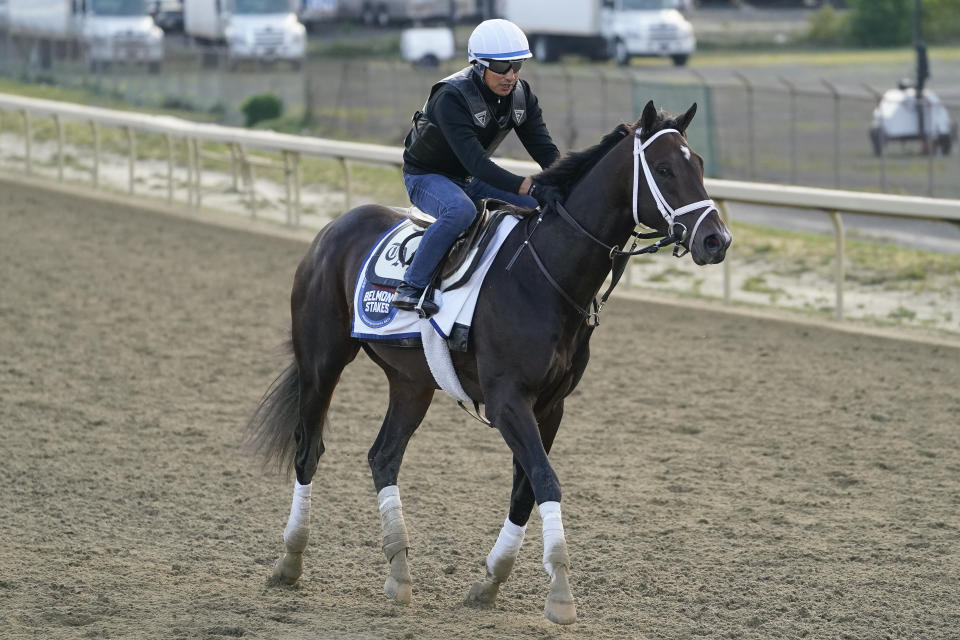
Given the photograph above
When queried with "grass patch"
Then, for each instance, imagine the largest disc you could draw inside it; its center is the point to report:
(822, 57)
(386, 46)
(92, 97)
(758, 284)
(902, 313)
(867, 263)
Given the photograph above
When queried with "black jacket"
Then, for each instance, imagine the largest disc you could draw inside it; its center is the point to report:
(448, 138)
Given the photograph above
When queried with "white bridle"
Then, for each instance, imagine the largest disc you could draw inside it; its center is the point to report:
(669, 213)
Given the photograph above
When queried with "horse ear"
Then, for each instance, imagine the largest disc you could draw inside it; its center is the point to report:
(684, 121)
(649, 117)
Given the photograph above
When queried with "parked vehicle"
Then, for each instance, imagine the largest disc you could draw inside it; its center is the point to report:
(168, 15)
(603, 29)
(312, 12)
(897, 118)
(102, 31)
(427, 46)
(261, 30)
(384, 12)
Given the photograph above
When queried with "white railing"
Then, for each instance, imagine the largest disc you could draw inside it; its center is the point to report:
(832, 202)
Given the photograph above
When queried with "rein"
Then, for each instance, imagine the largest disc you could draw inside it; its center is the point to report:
(618, 257)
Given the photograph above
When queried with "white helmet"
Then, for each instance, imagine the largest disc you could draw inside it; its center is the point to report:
(498, 40)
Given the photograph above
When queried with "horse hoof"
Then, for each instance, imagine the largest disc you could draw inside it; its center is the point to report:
(483, 594)
(560, 611)
(400, 592)
(286, 570)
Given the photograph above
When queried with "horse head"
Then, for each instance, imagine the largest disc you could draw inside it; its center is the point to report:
(675, 201)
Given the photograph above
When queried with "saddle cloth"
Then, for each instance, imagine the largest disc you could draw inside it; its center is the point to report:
(382, 272)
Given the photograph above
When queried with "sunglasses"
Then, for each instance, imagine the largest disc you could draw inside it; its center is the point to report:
(500, 67)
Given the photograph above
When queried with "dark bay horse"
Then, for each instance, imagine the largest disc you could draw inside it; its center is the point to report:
(529, 341)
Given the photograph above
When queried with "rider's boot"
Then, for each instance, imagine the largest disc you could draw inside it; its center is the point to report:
(410, 297)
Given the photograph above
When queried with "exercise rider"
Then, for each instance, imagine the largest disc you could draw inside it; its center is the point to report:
(446, 161)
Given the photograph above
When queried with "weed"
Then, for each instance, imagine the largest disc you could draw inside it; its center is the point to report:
(902, 313)
(758, 284)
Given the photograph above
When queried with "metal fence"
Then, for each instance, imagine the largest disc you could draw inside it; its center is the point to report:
(814, 135)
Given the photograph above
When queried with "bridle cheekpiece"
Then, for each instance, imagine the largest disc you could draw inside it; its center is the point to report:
(669, 213)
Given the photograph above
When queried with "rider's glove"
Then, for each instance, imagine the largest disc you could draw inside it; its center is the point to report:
(544, 194)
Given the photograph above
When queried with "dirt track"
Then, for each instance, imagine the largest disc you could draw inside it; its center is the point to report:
(723, 476)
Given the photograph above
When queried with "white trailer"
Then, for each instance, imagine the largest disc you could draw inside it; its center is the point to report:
(263, 30)
(383, 12)
(603, 29)
(313, 12)
(104, 31)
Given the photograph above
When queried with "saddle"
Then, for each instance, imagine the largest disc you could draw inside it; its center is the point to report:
(489, 213)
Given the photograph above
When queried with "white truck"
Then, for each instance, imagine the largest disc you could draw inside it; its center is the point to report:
(103, 31)
(604, 29)
(261, 30)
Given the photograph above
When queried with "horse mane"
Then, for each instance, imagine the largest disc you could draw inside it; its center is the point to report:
(567, 171)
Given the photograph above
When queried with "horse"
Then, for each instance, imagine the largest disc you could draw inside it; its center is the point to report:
(543, 285)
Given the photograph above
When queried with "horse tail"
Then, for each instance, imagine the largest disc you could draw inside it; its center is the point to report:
(272, 427)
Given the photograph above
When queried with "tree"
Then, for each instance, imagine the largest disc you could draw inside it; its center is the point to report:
(881, 23)
(941, 20)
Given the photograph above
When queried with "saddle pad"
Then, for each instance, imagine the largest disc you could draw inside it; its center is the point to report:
(391, 257)
(382, 271)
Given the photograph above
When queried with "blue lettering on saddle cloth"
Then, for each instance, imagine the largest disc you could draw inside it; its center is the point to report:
(379, 277)
(375, 309)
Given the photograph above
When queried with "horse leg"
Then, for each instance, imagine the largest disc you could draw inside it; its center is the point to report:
(505, 550)
(318, 376)
(516, 421)
(502, 557)
(409, 402)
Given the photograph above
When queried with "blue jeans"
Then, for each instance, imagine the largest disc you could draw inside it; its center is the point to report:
(451, 202)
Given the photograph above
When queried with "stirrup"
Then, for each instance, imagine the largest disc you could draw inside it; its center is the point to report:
(416, 300)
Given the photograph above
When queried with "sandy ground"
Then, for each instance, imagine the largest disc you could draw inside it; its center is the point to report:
(724, 476)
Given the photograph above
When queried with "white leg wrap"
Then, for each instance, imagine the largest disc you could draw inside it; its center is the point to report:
(297, 531)
(554, 543)
(391, 521)
(505, 551)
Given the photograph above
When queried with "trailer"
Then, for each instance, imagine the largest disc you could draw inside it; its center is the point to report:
(604, 29)
(899, 115)
(385, 12)
(103, 32)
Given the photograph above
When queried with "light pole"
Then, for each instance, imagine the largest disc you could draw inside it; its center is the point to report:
(923, 71)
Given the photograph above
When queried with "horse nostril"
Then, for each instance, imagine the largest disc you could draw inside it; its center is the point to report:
(712, 243)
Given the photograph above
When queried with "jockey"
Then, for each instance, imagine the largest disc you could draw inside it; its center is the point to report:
(446, 160)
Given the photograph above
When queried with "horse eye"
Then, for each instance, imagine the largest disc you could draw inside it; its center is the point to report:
(664, 170)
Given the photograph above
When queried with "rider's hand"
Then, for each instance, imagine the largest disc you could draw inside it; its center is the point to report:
(544, 194)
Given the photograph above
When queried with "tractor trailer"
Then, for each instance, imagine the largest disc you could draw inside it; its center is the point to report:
(604, 29)
(102, 31)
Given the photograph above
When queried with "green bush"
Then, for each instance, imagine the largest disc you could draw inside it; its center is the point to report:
(827, 27)
(264, 106)
(881, 23)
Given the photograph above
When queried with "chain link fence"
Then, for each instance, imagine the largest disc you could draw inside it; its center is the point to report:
(815, 135)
